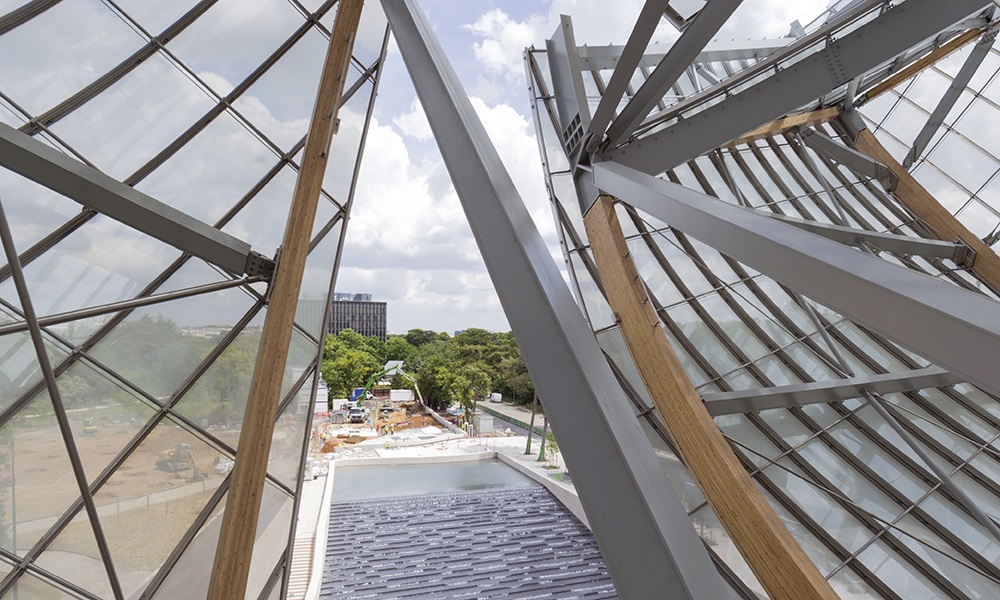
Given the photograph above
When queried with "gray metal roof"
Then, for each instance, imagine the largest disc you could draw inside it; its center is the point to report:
(510, 543)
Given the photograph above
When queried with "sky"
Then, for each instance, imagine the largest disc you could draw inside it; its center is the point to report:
(408, 243)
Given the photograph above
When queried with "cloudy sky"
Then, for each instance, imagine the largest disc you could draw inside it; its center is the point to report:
(408, 242)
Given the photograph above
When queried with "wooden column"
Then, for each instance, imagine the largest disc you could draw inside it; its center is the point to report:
(779, 563)
(783, 124)
(239, 523)
(922, 204)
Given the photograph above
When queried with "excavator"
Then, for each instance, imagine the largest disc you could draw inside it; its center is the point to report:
(179, 458)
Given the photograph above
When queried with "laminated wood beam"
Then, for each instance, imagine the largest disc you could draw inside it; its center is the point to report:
(779, 563)
(922, 63)
(239, 523)
(807, 119)
(921, 203)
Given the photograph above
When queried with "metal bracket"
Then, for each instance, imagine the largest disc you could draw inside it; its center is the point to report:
(964, 255)
(886, 177)
(259, 265)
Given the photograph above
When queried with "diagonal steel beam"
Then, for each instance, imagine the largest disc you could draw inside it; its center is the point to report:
(798, 84)
(955, 328)
(951, 96)
(850, 158)
(596, 58)
(957, 251)
(785, 396)
(684, 51)
(642, 32)
(60, 173)
(640, 524)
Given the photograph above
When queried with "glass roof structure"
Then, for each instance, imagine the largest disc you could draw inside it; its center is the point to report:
(807, 222)
(116, 487)
(847, 472)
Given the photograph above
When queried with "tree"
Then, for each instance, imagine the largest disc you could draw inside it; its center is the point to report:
(397, 348)
(348, 370)
(419, 337)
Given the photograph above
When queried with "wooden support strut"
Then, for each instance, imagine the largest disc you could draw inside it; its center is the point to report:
(783, 124)
(779, 563)
(239, 523)
(922, 63)
(922, 204)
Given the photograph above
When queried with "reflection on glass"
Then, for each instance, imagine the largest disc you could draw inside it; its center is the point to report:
(192, 181)
(174, 336)
(21, 371)
(103, 415)
(280, 103)
(74, 557)
(158, 491)
(314, 293)
(159, 102)
(62, 50)
(36, 477)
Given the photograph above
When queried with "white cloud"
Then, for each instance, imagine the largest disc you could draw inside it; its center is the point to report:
(503, 39)
(413, 122)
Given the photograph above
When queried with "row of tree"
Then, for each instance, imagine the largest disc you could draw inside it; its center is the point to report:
(463, 368)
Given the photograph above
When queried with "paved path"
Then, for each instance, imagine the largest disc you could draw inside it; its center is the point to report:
(515, 412)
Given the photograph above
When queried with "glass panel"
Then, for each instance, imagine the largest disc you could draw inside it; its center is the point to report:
(74, 557)
(29, 586)
(849, 584)
(820, 506)
(19, 368)
(192, 180)
(756, 446)
(188, 579)
(62, 50)
(289, 435)
(613, 344)
(103, 261)
(155, 16)
(905, 580)
(175, 336)
(703, 338)
(314, 293)
(280, 103)
(218, 399)
(967, 165)
(344, 146)
(233, 38)
(707, 524)
(156, 99)
(849, 482)
(159, 491)
(648, 267)
(598, 310)
(38, 470)
(261, 223)
(103, 415)
(32, 210)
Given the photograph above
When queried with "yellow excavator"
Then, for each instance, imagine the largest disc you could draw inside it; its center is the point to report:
(179, 458)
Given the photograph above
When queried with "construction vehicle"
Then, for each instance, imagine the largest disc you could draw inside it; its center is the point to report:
(89, 428)
(178, 458)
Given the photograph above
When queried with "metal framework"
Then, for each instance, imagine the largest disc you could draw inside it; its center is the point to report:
(161, 252)
(843, 342)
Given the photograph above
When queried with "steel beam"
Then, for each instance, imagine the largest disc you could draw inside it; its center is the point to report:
(796, 85)
(60, 173)
(957, 252)
(951, 96)
(607, 57)
(955, 328)
(567, 81)
(801, 394)
(849, 157)
(643, 530)
(642, 31)
(699, 31)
